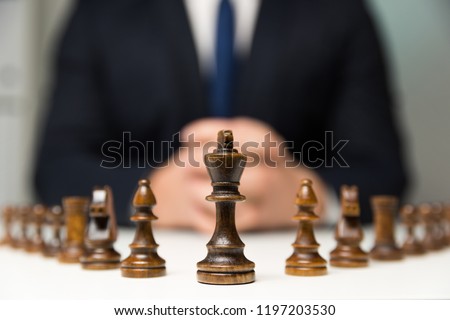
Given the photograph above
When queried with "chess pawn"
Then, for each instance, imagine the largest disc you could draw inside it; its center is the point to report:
(384, 210)
(349, 233)
(225, 262)
(75, 212)
(427, 214)
(8, 213)
(306, 261)
(101, 233)
(36, 220)
(22, 221)
(410, 219)
(54, 220)
(144, 261)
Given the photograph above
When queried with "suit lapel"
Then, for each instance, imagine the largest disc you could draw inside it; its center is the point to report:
(184, 59)
(259, 71)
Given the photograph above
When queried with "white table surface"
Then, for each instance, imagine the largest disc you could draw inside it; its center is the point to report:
(31, 276)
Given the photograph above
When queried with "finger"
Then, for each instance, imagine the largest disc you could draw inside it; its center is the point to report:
(204, 220)
(248, 217)
(204, 130)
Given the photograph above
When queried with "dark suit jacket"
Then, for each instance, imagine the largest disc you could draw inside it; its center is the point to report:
(131, 66)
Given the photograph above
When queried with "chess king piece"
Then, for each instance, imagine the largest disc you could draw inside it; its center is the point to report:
(306, 261)
(431, 241)
(54, 220)
(384, 210)
(225, 262)
(349, 233)
(36, 220)
(410, 219)
(8, 213)
(101, 233)
(75, 216)
(144, 261)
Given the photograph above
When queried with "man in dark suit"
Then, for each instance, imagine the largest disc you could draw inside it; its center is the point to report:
(129, 71)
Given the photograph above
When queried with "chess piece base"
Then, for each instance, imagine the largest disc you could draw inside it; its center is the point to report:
(386, 253)
(32, 248)
(19, 244)
(64, 258)
(226, 278)
(413, 248)
(100, 259)
(348, 263)
(225, 265)
(133, 272)
(306, 264)
(349, 257)
(135, 267)
(431, 244)
(104, 265)
(70, 254)
(6, 241)
(50, 252)
(305, 271)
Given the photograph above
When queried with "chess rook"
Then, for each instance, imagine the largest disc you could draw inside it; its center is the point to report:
(410, 220)
(144, 261)
(438, 214)
(447, 223)
(429, 215)
(7, 217)
(53, 221)
(101, 233)
(349, 233)
(75, 214)
(305, 260)
(35, 222)
(22, 217)
(384, 210)
(225, 262)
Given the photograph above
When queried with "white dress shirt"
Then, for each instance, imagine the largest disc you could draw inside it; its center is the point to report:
(203, 21)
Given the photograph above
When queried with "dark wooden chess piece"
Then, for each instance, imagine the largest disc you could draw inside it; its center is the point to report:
(410, 219)
(225, 262)
(22, 218)
(8, 212)
(430, 242)
(306, 261)
(447, 223)
(349, 233)
(144, 261)
(384, 209)
(35, 242)
(437, 210)
(15, 229)
(101, 233)
(75, 216)
(54, 220)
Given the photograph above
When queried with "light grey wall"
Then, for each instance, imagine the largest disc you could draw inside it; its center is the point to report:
(417, 35)
(17, 91)
(27, 31)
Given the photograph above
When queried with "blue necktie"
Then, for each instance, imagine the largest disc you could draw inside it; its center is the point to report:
(222, 82)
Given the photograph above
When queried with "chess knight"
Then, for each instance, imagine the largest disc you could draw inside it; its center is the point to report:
(101, 232)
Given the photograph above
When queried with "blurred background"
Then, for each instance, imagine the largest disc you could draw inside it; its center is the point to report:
(416, 36)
